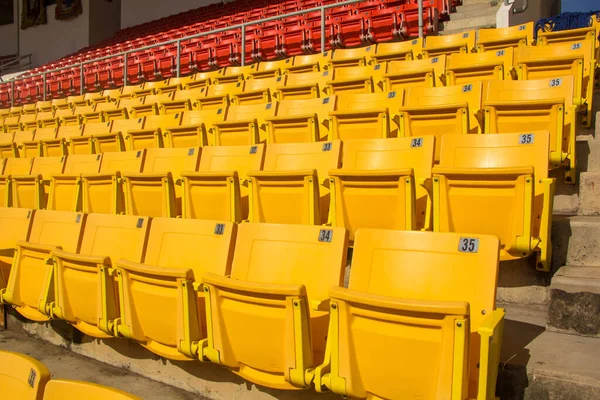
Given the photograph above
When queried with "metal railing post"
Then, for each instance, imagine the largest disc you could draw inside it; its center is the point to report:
(125, 69)
(12, 93)
(44, 92)
(178, 61)
(81, 80)
(243, 52)
(322, 29)
(420, 19)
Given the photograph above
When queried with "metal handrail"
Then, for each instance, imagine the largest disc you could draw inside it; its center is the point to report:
(178, 41)
(16, 60)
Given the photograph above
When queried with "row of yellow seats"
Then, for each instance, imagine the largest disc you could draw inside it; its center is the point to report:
(25, 378)
(372, 183)
(267, 302)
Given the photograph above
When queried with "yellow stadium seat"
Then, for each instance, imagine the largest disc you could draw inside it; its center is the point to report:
(62, 389)
(418, 319)
(29, 287)
(383, 184)
(174, 84)
(156, 191)
(28, 122)
(441, 110)
(65, 189)
(27, 109)
(258, 91)
(150, 88)
(293, 187)
(103, 192)
(201, 79)
(152, 105)
(310, 62)
(43, 106)
(32, 148)
(270, 69)
(163, 303)
(502, 38)
(355, 80)
(573, 36)
(85, 291)
(8, 148)
(505, 178)
(12, 166)
(83, 143)
(366, 115)
(109, 96)
(45, 119)
(151, 134)
(428, 72)
(405, 50)
(76, 101)
(60, 104)
(89, 114)
(217, 96)
(233, 74)
(129, 91)
(447, 44)
(11, 124)
(560, 59)
(122, 109)
(301, 121)
(31, 190)
(58, 146)
(16, 110)
(22, 377)
(19, 138)
(351, 57)
(77, 117)
(244, 125)
(219, 191)
(67, 116)
(308, 85)
(513, 106)
(104, 112)
(282, 296)
(19, 220)
(495, 64)
(183, 100)
(115, 140)
(195, 128)
(95, 97)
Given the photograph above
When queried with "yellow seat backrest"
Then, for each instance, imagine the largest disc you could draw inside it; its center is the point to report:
(494, 64)
(63, 389)
(560, 87)
(315, 62)
(345, 54)
(22, 377)
(122, 161)
(154, 122)
(355, 72)
(190, 94)
(224, 89)
(124, 125)
(264, 66)
(7, 138)
(84, 109)
(407, 50)
(18, 166)
(500, 38)
(128, 102)
(435, 66)
(57, 228)
(265, 83)
(174, 160)
(63, 112)
(306, 107)
(43, 105)
(250, 112)
(67, 131)
(45, 133)
(158, 98)
(94, 128)
(203, 116)
(463, 42)
(19, 220)
(47, 166)
(307, 78)
(391, 100)
(22, 136)
(82, 163)
(232, 158)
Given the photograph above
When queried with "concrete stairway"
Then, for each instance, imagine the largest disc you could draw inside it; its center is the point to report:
(472, 14)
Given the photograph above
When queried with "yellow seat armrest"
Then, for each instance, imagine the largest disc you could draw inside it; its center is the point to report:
(219, 174)
(145, 176)
(258, 288)
(409, 72)
(234, 123)
(358, 113)
(434, 108)
(185, 128)
(490, 332)
(291, 118)
(552, 60)
(181, 273)
(483, 171)
(479, 65)
(80, 258)
(370, 173)
(524, 103)
(44, 248)
(342, 82)
(282, 174)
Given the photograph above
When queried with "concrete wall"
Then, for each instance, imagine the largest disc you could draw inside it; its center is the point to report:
(8, 36)
(105, 20)
(537, 9)
(135, 12)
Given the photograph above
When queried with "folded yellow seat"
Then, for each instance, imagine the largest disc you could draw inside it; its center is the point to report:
(60, 144)
(102, 192)
(46, 119)
(366, 115)
(85, 291)
(8, 148)
(31, 282)
(505, 178)
(366, 79)
(104, 112)
(151, 105)
(501, 38)
(218, 96)
(79, 100)
(30, 108)
(383, 184)
(12, 124)
(483, 66)
(156, 191)
(309, 63)
(514, 106)
(195, 128)
(65, 189)
(174, 84)
(428, 72)
(301, 86)
(28, 122)
(258, 91)
(15, 224)
(33, 147)
(293, 187)
(114, 139)
(279, 283)
(31, 190)
(561, 59)
(573, 36)
(270, 69)
(219, 190)
(354, 57)
(200, 79)
(163, 299)
(447, 44)
(183, 100)
(19, 138)
(129, 91)
(17, 370)
(149, 88)
(233, 74)
(405, 50)
(418, 319)
(441, 110)
(12, 166)
(301, 121)
(244, 125)
(151, 132)
(67, 116)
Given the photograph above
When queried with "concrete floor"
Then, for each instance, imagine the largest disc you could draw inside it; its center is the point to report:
(64, 364)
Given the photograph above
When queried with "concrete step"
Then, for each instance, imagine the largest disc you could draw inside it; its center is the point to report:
(542, 365)
(575, 301)
(473, 23)
(468, 3)
(575, 242)
(473, 11)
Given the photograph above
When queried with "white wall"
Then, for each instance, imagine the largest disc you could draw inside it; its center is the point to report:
(56, 39)
(135, 12)
(8, 36)
(105, 19)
